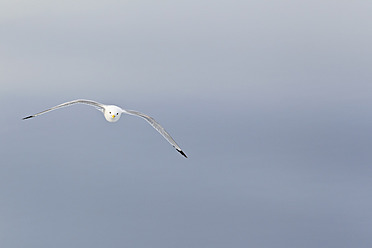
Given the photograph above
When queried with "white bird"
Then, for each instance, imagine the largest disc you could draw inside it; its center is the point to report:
(112, 113)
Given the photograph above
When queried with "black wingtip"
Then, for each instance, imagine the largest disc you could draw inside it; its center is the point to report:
(28, 117)
(180, 151)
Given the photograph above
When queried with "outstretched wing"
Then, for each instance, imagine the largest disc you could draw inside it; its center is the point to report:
(99, 106)
(158, 128)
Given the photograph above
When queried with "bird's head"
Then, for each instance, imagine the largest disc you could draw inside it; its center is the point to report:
(112, 113)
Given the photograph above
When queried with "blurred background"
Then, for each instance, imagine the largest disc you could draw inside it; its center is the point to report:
(270, 100)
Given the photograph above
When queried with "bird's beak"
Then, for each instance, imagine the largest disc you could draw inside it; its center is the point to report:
(113, 116)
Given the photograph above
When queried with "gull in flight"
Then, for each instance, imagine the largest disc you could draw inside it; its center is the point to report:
(112, 113)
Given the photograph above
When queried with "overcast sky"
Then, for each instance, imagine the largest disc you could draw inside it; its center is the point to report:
(270, 100)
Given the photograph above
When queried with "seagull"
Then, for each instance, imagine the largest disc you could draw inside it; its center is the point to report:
(112, 113)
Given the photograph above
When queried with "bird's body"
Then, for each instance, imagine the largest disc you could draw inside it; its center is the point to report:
(113, 113)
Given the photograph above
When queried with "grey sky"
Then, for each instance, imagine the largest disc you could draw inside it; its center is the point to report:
(188, 47)
(269, 99)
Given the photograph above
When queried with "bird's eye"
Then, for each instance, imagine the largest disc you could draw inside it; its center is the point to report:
(117, 113)
(109, 112)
